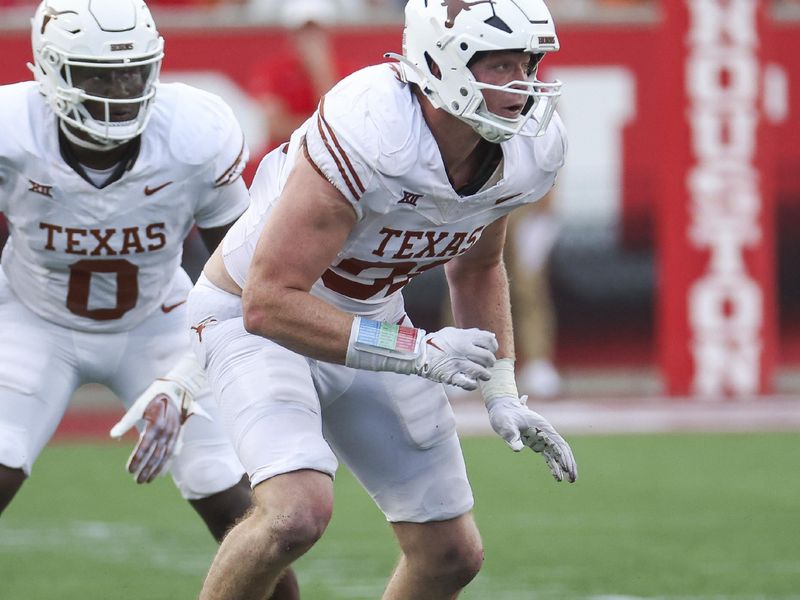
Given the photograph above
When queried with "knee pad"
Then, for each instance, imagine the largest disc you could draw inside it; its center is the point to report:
(14, 448)
(201, 470)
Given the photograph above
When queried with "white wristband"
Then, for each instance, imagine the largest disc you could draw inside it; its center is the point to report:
(188, 374)
(381, 346)
(502, 384)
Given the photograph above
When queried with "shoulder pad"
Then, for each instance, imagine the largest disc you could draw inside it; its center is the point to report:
(198, 123)
(17, 133)
(376, 106)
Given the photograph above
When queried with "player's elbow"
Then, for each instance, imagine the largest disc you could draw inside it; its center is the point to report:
(256, 311)
(255, 320)
(474, 272)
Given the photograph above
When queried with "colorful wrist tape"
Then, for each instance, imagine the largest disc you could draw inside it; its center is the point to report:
(388, 338)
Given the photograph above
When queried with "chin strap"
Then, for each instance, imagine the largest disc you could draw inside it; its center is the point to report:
(419, 77)
(406, 63)
(92, 144)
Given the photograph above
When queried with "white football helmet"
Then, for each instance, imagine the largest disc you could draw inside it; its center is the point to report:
(450, 32)
(112, 38)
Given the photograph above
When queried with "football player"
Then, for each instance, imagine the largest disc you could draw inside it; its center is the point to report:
(299, 316)
(103, 172)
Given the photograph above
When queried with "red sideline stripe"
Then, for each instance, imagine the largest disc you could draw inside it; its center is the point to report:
(88, 423)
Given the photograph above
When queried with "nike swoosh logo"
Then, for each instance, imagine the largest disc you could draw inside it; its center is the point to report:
(148, 191)
(431, 342)
(170, 307)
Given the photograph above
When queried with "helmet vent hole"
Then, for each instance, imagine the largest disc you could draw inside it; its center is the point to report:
(455, 106)
(498, 23)
(463, 91)
(430, 62)
(464, 46)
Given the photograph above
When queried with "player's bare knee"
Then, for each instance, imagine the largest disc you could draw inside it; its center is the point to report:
(290, 530)
(299, 531)
(292, 522)
(463, 564)
(453, 563)
(459, 563)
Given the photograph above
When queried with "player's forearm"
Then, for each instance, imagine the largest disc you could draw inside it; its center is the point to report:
(298, 321)
(480, 298)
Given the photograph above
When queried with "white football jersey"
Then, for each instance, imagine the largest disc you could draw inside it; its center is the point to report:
(103, 259)
(370, 140)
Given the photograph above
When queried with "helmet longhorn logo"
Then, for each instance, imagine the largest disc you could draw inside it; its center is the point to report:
(52, 14)
(454, 8)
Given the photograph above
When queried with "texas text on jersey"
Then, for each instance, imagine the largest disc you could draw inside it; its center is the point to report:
(103, 258)
(410, 218)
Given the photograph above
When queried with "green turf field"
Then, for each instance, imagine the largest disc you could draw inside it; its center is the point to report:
(678, 516)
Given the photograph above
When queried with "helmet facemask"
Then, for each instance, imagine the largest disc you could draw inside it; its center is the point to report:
(540, 102)
(438, 33)
(108, 101)
(99, 75)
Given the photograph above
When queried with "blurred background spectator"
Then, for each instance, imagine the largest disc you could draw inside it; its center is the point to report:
(289, 81)
(532, 234)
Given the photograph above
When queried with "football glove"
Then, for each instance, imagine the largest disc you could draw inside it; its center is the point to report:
(460, 357)
(163, 407)
(519, 426)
